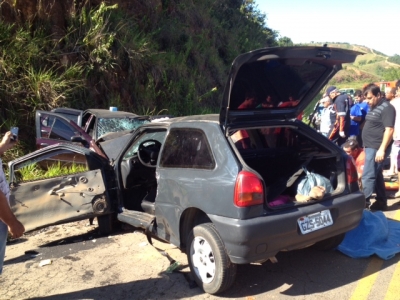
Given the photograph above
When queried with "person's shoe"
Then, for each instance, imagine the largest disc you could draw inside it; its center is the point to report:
(367, 204)
(377, 205)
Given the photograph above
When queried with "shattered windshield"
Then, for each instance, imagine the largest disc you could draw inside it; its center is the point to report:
(106, 125)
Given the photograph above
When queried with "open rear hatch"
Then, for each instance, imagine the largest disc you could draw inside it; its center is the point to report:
(266, 90)
(278, 83)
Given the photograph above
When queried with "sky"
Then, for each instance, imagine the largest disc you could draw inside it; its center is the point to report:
(374, 24)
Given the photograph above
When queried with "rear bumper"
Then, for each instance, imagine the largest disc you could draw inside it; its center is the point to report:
(259, 238)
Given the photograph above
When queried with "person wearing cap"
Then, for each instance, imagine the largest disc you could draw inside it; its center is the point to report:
(341, 127)
(328, 116)
(377, 137)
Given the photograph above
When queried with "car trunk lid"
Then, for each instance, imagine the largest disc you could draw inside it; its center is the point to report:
(278, 83)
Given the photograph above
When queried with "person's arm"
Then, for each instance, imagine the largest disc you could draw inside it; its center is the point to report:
(387, 138)
(6, 142)
(354, 118)
(7, 216)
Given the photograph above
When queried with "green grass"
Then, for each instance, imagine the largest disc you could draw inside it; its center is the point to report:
(56, 169)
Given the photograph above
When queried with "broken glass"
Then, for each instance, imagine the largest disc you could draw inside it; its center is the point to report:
(106, 125)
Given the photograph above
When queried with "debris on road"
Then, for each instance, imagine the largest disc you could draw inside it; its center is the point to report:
(45, 262)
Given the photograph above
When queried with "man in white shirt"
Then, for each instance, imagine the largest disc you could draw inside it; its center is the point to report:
(328, 116)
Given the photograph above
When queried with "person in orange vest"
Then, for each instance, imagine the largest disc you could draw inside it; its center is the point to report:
(352, 149)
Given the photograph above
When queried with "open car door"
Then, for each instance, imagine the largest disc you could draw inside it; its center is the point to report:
(47, 187)
(52, 128)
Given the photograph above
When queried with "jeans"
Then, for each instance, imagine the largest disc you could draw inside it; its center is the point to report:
(3, 242)
(372, 177)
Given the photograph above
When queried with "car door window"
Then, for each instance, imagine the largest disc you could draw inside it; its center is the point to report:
(70, 114)
(54, 127)
(61, 130)
(187, 148)
(54, 164)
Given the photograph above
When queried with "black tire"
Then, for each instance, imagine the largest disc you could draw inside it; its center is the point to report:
(330, 243)
(205, 249)
(105, 223)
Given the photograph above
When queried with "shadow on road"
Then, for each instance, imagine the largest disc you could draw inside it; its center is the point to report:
(153, 288)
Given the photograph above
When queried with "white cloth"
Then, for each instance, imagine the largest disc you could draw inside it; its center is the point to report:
(328, 117)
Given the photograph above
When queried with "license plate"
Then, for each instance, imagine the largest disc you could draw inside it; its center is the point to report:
(315, 221)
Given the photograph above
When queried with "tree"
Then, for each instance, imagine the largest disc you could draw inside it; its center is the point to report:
(391, 74)
(285, 42)
(394, 59)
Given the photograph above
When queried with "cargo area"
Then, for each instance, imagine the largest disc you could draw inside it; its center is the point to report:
(278, 154)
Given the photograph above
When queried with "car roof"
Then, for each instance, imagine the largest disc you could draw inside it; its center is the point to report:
(105, 113)
(193, 118)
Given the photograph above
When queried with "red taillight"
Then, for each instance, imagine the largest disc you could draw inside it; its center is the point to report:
(249, 190)
(351, 170)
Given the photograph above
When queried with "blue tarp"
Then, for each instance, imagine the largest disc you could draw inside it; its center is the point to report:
(374, 235)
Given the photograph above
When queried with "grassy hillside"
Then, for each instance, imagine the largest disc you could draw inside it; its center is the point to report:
(148, 57)
(372, 66)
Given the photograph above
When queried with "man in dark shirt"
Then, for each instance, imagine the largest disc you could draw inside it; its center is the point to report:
(377, 136)
(340, 131)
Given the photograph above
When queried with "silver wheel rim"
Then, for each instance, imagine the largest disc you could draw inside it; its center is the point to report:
(203, 259)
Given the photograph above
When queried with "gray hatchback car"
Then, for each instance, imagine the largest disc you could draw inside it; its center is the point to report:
(213, 184)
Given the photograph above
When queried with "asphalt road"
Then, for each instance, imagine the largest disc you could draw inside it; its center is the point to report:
(124, 266)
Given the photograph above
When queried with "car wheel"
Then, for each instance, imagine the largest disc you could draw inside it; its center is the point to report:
(209, 263)
(105, 223)
(330, 243)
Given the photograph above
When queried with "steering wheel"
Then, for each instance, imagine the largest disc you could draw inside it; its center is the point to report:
(148, 152)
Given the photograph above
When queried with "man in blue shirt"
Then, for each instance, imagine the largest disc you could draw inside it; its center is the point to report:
(355, 120)
(363, 105)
